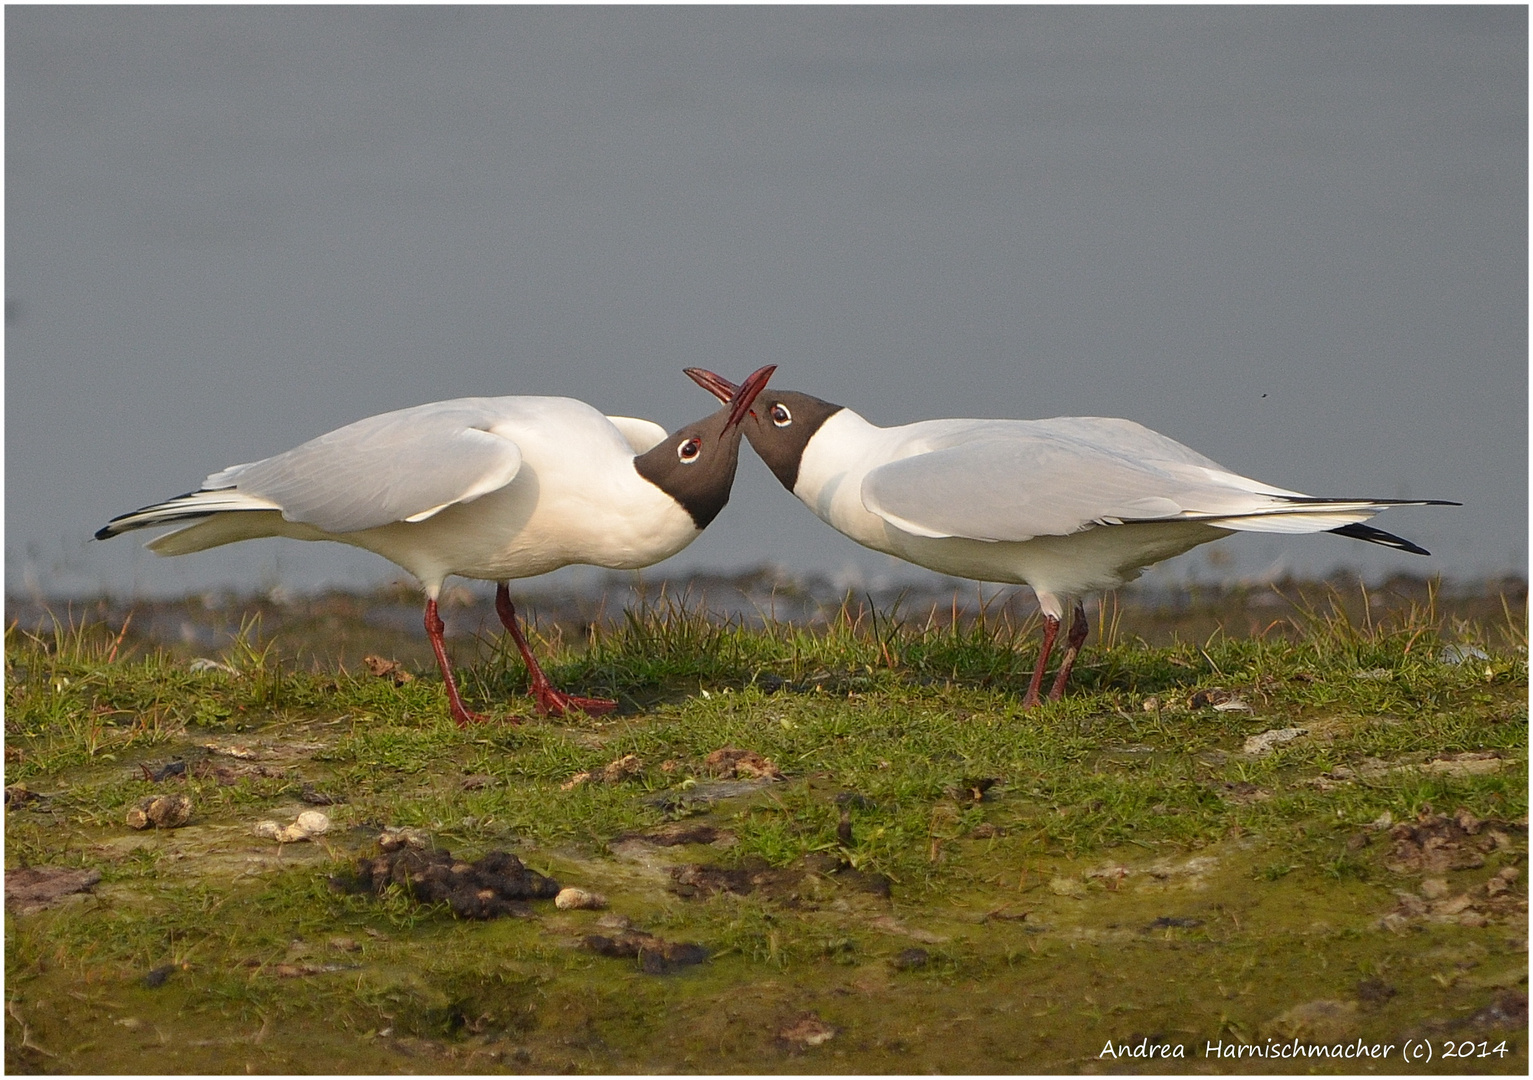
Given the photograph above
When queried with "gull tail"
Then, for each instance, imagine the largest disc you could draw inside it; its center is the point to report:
(217, 517)
(1344, 517)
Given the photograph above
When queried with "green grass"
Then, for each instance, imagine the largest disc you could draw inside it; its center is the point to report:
(1124, 804)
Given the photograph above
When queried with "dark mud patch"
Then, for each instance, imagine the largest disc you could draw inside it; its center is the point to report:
(157, 977)
(1374, 992)
(754, 876)
(490, 887)
(1173, 922)
(1509, 1010)
(789, 885)
(32, 889)
(677, 833)
(656, 956)
(847, 876)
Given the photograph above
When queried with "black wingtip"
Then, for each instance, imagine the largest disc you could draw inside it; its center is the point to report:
(111, 528)
(1317, 500)
(1358, 531)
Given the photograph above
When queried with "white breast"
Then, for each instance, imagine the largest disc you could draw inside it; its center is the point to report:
(576, 499)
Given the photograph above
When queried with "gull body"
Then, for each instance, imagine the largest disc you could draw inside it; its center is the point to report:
(1069, 506)
(492, 488)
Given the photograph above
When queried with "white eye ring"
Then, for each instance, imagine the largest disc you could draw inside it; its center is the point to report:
(781, 416)
(689, 451)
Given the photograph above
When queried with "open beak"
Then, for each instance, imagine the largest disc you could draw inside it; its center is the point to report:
(741, 397)
(716, 385)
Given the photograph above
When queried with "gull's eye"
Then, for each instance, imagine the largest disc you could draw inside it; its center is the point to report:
(781, 416)
(689, 450)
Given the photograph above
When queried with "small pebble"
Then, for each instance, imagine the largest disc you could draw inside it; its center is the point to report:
(1260, 745)
(1459, 654)
(310, 823)
(572, 899)
(203, 663)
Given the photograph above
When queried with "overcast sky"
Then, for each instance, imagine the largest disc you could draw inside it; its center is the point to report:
(1293, 238)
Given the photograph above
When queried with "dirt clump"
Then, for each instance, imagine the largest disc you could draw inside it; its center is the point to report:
(495, 885)
(1491, 900)
(972, 789)
(1217, 697)
(1436, 843)
(392, 670)
(613, 772)
(17, 795)
(160, 812)
(728, 761)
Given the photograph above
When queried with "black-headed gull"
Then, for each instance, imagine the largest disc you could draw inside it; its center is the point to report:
(493, 488)
(1069, 506)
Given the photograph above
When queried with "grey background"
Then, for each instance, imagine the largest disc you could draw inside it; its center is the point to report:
(1292, 238)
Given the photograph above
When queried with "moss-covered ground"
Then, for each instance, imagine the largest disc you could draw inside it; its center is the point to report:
(938, 880)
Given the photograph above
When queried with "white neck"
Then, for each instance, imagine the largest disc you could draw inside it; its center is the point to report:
(830, 474)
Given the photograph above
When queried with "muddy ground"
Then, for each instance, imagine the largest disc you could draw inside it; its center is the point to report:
(774, 876)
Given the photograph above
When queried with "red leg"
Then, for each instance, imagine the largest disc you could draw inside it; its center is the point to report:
(550, 702)
(434, 629)
(1050, 629)
(1077, 637)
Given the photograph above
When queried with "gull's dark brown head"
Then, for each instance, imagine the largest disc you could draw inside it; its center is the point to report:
(779, 426)
(695, 465)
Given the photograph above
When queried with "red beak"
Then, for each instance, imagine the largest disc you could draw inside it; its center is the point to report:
(742, 396)
(716, 385)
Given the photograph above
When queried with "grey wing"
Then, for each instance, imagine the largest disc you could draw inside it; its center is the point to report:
(399, 466)
(1115, 435)
(1016, 480)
